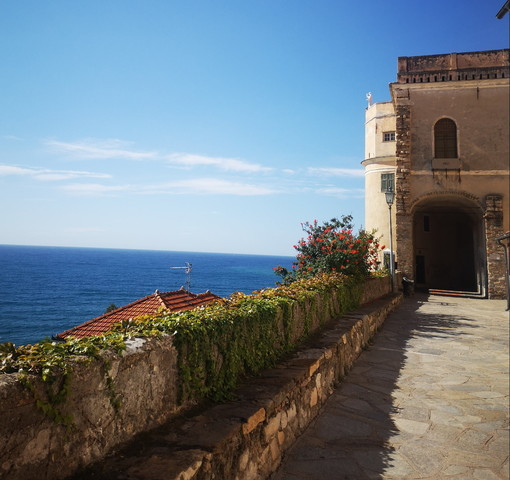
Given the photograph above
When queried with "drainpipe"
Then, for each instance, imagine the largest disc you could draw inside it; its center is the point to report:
(506, 247)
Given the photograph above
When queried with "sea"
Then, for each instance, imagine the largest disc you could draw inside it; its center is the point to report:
(47, 290)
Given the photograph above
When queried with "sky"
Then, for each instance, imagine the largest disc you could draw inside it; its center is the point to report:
(199, 125)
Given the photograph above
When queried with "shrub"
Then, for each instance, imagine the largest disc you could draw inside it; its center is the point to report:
(332, 248)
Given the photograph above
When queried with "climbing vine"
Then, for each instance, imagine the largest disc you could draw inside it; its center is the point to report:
(220, 343)
(52, 363)
(217, 344)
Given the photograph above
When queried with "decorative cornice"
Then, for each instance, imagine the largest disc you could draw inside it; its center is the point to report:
(388, 159)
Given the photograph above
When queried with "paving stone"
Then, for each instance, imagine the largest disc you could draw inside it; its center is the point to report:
(426, 457)
(443, 434)
(331, 427)
(473, 440)
(470, 459)
(445, 418)
(485, 474)
(428, 401)
(455, 470)
(398, 467)
(339, 468)
(505, 469)
(411, 426)
(371, 462)
(454, 380)
(357, 404)
(490, 426)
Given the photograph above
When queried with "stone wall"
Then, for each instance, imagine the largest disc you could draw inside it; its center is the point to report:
(454, 67)
(496, 267)
(404, 225)
(246, 439)
(144, 378)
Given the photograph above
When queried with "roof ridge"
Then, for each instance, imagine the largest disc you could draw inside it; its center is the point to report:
(183, 300)
(112, 312)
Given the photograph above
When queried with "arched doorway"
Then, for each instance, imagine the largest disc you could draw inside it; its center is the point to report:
(448, 244)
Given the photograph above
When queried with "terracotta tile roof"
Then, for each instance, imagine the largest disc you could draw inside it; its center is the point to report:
(175, 301)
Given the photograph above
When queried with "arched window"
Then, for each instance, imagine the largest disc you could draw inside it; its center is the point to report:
(445, 139)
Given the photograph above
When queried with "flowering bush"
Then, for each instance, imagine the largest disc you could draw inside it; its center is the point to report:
(332, 247)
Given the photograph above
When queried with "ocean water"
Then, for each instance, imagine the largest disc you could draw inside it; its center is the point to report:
(46, 290)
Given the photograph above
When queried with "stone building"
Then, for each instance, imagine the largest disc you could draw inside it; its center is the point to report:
(442, 144)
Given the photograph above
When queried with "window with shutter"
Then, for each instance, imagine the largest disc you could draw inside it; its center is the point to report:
(445, 138)
(387, 182)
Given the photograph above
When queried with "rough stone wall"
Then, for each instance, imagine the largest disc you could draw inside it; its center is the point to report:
(298, 390)
(454, 66)
(496, 268)
(143, 380)
(110, 401)
(404, 221)
(246, 439)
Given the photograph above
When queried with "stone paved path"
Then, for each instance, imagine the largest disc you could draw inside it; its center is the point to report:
(428, 400)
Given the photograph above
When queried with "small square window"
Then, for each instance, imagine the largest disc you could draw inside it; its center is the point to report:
(387, 182)
(388, 136)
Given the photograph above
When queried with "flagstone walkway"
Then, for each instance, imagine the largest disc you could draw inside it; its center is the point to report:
(428, 400)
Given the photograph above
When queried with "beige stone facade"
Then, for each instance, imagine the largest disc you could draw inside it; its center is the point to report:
(450, 158)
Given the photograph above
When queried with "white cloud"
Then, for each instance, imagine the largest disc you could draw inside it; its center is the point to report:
(228, 164)
(45, 174)
(197, 186)
(95, 189)
(337, 172)
(214, 186)
(114, 148)
(341, 192)
(48, 175)
(99, 149)
(12, 137)
(10, 170)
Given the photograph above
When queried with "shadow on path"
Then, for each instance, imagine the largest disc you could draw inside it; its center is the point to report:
(401, 408)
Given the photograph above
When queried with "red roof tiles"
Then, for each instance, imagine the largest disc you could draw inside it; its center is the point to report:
(175, 301)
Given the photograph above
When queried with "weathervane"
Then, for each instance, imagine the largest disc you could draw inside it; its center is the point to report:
(187, 270)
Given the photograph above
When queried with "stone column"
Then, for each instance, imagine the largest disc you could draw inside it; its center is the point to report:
(496, 271)
(404, 220)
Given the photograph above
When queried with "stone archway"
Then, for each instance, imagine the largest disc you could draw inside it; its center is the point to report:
(448, 243)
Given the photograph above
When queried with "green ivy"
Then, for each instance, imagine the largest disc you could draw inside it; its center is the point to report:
(52, 363)
(217, 344)
(220, 343)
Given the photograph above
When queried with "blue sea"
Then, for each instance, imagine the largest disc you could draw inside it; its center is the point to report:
(46, 290)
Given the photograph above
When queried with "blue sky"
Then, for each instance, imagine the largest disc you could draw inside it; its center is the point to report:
(214, 126)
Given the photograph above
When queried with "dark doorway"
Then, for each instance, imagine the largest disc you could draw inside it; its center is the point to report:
(420, 270)
(446, 243)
